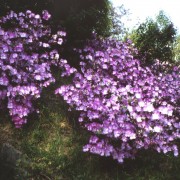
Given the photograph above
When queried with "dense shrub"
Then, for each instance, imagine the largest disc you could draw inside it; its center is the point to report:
(27, 51)
(126, 107)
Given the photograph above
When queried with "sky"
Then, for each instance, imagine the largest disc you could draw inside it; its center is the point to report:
(141, 9)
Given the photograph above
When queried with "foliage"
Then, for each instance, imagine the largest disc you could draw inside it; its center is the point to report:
(125, 107)
(81, 18)
(177, 49)
(27, 51)
(154, 39)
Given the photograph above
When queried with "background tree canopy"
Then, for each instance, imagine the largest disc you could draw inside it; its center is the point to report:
(177, 49)
(81, 18)
(154, 39)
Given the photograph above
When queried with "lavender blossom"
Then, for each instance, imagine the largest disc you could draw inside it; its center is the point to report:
(24, 68)
(126, 107)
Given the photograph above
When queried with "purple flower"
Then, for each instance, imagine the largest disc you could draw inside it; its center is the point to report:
(46, 15)
(120, 101)
(25, 68)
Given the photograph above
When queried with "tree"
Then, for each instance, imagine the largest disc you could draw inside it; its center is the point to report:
(177, 49)
(118, 30)
(81, 18)
(154, 39)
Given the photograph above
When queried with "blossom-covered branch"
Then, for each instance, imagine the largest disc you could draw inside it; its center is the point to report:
(126, 107)
(26, 55)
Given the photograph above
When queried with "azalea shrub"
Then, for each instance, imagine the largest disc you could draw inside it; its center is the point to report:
(27, 51)
(125, 107)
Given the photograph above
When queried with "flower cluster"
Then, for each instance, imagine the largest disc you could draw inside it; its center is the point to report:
(27, 51)
(125, 106)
